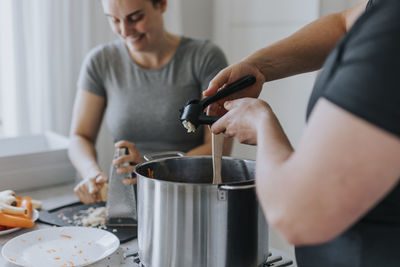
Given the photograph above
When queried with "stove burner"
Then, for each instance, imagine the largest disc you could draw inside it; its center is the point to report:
(272, 261)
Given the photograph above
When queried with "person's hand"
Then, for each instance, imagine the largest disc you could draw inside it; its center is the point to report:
(133, 158)
(228, 76)
(88, 190)
(242, 120)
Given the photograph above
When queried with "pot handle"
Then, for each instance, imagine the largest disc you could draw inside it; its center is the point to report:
(237, 187)
(166, 154)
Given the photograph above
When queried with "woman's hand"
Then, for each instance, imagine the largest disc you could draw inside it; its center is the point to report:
(243, 119)
(88, 190)
(230, 75)
(128, 162)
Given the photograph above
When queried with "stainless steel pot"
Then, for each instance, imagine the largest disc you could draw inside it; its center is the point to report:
(184, 220)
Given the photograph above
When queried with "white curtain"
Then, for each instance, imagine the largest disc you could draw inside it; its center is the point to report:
(43, 43)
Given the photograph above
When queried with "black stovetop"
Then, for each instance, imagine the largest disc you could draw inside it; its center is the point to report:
(272, 261)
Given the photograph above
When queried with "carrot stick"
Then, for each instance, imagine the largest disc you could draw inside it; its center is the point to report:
(151, 173)
(15, 221)
(27, 204)
(18, 201)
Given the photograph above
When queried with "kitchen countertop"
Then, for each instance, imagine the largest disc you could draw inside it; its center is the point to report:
(57, 196)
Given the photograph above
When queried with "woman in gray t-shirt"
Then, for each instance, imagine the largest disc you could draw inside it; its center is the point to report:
(138, 83)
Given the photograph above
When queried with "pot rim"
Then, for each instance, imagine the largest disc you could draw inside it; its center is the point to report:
(223, 186)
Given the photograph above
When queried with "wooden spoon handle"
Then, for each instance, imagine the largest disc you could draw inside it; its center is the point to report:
(217, 147)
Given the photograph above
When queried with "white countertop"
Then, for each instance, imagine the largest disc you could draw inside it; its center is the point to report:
(57, 196)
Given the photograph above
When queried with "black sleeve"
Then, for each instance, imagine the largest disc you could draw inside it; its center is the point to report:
(369, 5)
(372, 3)
(367, 80)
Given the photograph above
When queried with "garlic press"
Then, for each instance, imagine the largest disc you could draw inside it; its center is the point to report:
(193, 115)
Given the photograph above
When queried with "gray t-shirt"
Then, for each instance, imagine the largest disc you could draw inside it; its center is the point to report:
(143, 105)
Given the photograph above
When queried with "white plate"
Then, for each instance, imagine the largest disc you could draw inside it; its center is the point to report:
(60, 246)
(34, 218)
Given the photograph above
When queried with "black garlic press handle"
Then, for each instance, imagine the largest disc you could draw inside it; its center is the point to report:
(208, 120)
(228, 90)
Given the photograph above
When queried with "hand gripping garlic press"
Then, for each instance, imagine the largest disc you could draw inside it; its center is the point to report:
(193, 115)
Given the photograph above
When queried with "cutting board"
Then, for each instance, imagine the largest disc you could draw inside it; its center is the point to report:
(55, 217)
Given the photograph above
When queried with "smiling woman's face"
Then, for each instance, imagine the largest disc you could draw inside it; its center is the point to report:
(138, 22)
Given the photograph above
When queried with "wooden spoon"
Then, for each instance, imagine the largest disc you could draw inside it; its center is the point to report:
(217, 147)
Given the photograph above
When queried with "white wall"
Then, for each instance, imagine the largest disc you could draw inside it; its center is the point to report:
(329, 6)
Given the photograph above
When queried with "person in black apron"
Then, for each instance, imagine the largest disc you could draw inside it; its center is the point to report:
(341, 201)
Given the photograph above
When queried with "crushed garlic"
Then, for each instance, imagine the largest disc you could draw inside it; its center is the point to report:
(189, 126)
